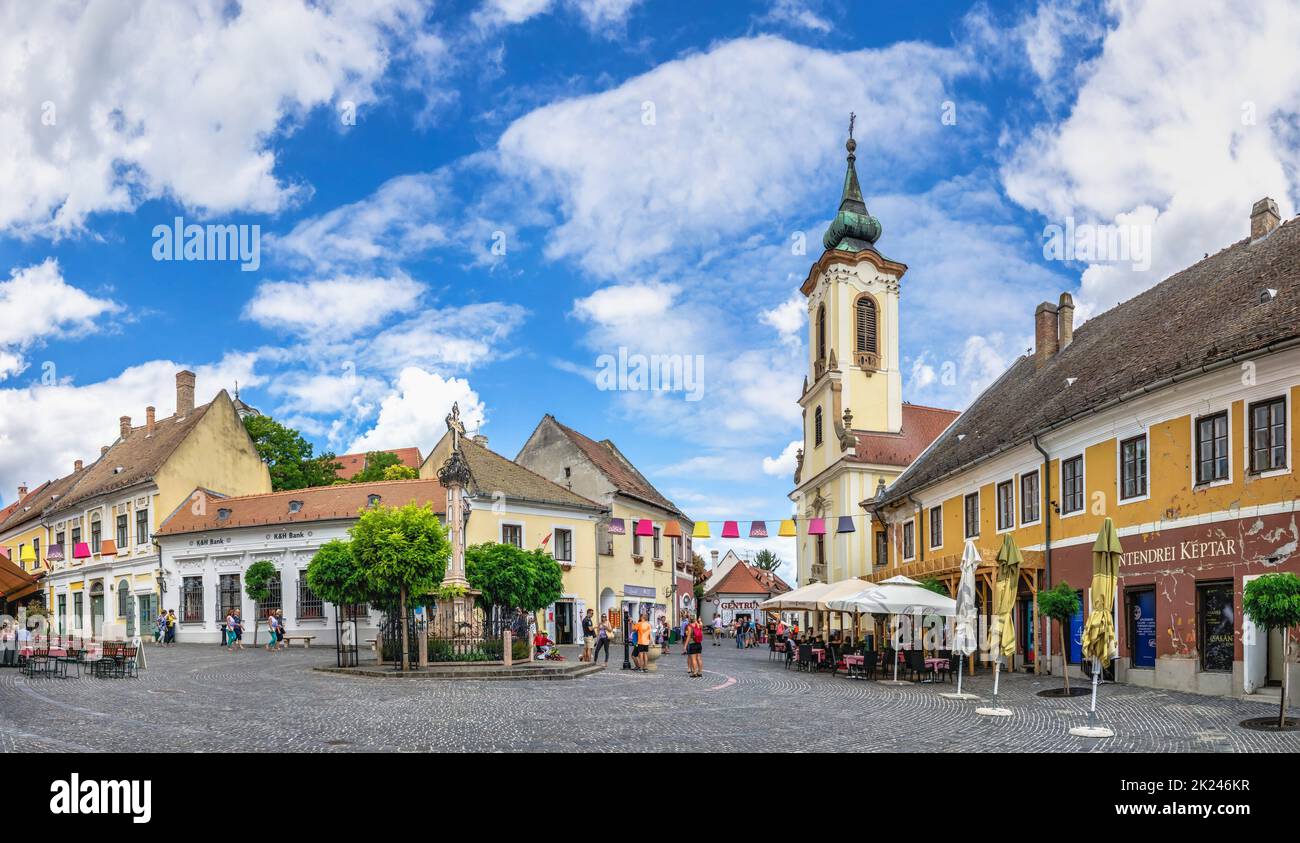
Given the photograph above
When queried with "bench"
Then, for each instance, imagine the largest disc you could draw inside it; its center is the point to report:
(305, 639)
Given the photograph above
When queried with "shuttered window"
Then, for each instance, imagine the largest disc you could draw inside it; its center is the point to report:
(866, 322)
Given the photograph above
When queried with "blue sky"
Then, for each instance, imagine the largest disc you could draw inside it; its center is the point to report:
(648, 167)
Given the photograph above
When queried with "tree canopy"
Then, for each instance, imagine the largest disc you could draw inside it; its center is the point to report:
(511, 576)
(1273, 602)
(766, 560)
(335, 575)
(400, 548)
(1059, 603)
(289, 456)
(377, 465)
(257, 581)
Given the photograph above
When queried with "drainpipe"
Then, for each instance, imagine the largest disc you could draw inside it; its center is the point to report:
(1047, 547)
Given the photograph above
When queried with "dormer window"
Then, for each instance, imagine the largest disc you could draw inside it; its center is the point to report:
(295, 506)
(223, 514)
(372, 501)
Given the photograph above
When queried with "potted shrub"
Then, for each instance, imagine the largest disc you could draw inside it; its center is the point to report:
(1060, 604)
(1272, 601)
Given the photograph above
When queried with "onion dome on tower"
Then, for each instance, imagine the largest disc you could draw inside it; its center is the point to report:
(853, 228)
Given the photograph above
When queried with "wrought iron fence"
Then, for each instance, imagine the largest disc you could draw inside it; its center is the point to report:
(390, 637)
(475, 637)
(345, 636)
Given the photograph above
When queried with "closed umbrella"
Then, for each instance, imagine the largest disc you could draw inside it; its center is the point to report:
(1099, 631)
(1002, 633)
(966, 636)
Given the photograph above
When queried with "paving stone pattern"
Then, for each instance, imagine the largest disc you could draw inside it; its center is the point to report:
(200, 698)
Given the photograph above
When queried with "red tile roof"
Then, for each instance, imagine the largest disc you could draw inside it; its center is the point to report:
(320, 503)
(744, 579)
(350, 465)
(921, 426)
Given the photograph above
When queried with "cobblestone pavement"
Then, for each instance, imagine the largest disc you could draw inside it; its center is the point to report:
(200, 698)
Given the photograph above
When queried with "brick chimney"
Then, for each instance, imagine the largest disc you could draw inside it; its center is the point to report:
(148, 420)
(22, 491)
(76, 466)
(714, 555)
(1065, 321)
(1046, 343)
(125, 423)
(1263, 218)
(184, 393)
(479, 439)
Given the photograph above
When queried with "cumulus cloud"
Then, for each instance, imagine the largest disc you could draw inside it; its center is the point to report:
(335, 307)
(98, 117)
(37, 304)
(797, 14)
(721, 139)
(1180, 133)
(783, 465)
(413, 413)
(596, 15)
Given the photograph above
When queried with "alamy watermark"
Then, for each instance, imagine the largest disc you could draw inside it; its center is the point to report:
(1098, 243)
(651, 372)
(212, 242)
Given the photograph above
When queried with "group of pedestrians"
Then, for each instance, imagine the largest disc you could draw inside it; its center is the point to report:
(275, 625)
(164, 628)
(641, 636)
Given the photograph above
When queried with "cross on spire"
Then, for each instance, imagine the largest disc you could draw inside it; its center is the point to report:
(852, 119)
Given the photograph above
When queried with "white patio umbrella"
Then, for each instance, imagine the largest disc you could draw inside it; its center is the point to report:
(966, 637)
(896, 596)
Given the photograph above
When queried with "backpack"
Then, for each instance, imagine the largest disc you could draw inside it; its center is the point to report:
(697, 634)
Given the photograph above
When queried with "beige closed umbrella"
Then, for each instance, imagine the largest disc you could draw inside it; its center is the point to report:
(1002, 632)
(1099, 643)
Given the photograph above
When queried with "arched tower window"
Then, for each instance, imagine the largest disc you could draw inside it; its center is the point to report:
(866, 324)
(817, 426)
(821, 332)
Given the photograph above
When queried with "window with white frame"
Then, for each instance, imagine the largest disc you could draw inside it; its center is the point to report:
(563, 545)
(971, 507)
(1133, 468)
(1029, 498)
(1072, 485)
(512, 534)
(1268, 435)
(1212, 448)
(1006, 500)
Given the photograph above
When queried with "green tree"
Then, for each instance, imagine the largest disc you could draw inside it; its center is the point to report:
(403, 551)
(934, 585)
(400, 472)
(377, 462)
(257, 585)
(1272, 601)
(766, 560)
(289, 456)
(335, 575)
(1060, 604)
(513, 577)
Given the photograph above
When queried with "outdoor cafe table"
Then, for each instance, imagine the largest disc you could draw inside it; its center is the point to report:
(820, 654)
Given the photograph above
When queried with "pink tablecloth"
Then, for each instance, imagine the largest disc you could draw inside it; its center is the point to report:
(937, 664)
(820, 654)
(855, 660)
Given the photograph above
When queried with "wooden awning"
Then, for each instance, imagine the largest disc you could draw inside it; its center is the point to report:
(949, 566)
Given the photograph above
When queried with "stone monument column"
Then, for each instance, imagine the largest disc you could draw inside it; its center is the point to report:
(454, 475)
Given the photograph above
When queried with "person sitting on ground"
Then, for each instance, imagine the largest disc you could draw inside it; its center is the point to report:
(542, 644)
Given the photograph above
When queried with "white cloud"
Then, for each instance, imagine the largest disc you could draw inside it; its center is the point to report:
(597, 15)
(789, 318)
(784, 464)
(37, 304)
(446, 338)
(735, 133)
(107, 105)
(413, 414)
(622, 311)
(1189, 112)
(76, 420)
(334, 308)
(796, 14)
(396, 222)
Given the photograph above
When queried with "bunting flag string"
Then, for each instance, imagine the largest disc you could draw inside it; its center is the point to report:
(758, 529)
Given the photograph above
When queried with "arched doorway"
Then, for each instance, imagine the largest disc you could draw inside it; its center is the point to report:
(125, 609)
(97, 609)
(608, 602)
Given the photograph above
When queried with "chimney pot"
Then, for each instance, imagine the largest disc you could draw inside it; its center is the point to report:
(1263, 218)
(184, 393)
(22, 491)
(714, 555)
(148, 420)
(1065, 321)
(125, 423)
(103, 449)
(1046, 342)
(480, 439)
(76, 466)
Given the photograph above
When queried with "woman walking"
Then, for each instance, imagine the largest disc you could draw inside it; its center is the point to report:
(695, 648)
(169, 628)
(281, 642)
(272, 631)
(602, 641)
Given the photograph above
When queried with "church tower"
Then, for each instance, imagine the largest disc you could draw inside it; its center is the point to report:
(855, 425)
